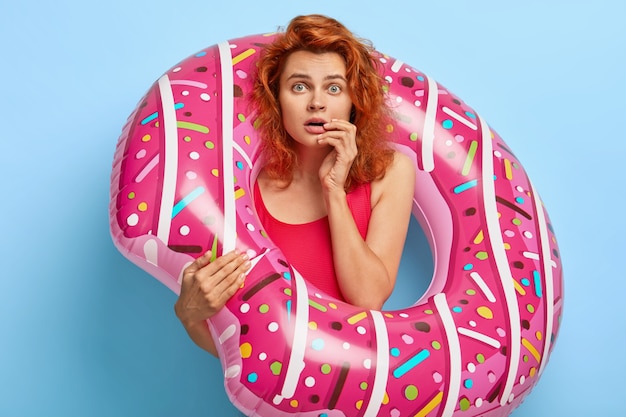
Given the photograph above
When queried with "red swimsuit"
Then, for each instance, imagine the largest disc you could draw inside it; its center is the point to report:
(307, 246)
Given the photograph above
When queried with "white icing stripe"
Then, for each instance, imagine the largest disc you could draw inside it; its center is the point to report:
(230, 219)
(298, 346)
(548, 298)
(395, 67)
(382, 365)
(243, 154)
(483, 286)
(454, 385)
(169, 159)
(535, 256)
(499, 253)
(459, 118)
(479, 336)
(428, 132)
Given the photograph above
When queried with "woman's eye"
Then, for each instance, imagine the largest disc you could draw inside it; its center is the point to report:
(334, 89)
(298, 87)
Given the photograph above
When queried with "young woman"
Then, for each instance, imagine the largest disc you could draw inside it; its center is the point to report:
(332, 194)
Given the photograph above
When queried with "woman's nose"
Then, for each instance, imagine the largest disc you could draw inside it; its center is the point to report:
(316, 103)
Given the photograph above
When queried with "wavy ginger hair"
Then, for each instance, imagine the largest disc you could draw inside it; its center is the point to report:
(370, 115)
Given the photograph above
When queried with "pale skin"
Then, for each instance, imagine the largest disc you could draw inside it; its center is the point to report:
(316, 104)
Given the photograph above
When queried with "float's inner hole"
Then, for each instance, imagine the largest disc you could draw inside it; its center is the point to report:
(416, 269)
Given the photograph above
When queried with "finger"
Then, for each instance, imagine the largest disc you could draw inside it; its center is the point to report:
(235, 277)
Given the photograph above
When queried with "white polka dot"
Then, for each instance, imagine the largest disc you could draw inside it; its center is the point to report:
(361, 330)
(519, 188)
(272, 327)
(185, 93)
(403, 315)
(511, 397)
(346, 345)
(245, 307)
(194, 155)
(522, 379)
(140, 154)
(399, 99)
(388, 79)
(437, 377)
(241, 74)
(250, 227)
(191, 175)
(528, 235)
(479, 402)
(472, 323)
(309, 381)
(449, 142)
(383, 60)
(471, 367)
(497, 154)
(251, 253)
(501, 332)
(132, 220)
(417, 103)
(176, 69)
(262, 356)
(184, 230)
(205, 97)
(367, 363)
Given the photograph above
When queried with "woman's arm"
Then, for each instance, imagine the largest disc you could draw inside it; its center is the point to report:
(366, 269)
(206, 287)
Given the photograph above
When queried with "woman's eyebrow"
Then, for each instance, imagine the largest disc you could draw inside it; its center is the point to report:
(308, 77)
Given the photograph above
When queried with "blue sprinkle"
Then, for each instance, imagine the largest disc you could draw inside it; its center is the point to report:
(287, 275)
(468, 383)
(395, 352)
(519, 200)
(537, 279)
(468, 267)
(239, 164)
(253, 377)
(470, 114)
(420, 78)
(317, 344)
(199, 54)
(457, 309)
(447, 124)
(525, 282)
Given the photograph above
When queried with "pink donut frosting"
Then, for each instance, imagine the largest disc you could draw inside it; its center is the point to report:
(474, 344)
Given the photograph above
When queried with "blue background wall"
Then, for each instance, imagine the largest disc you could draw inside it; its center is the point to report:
(83, 332)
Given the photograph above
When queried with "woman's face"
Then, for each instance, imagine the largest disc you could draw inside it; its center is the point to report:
(313, 90)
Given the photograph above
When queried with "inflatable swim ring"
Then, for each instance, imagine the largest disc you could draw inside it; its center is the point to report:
(474, 344)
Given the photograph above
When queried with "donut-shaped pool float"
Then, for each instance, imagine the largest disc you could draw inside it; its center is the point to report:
(474, 344)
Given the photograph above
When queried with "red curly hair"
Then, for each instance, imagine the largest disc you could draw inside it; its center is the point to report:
(370, 115)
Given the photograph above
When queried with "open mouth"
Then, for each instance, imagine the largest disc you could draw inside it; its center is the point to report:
(315, 124)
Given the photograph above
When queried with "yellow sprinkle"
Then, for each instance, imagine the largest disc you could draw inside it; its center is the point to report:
(245, 54)
(533, 370)
(246, 138)
(386, 399)
(533, 351)
(539, 335)
(312, 325)
(357, 317)
(293, 403)
(146, 138)
(240, 192)
(508, 172)
(479, 237)
(333, 306)
(359, 404)
(519, 288)
(143, 206)
(485, 312)
(430, 406)
(215, 172)
(246, 350)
